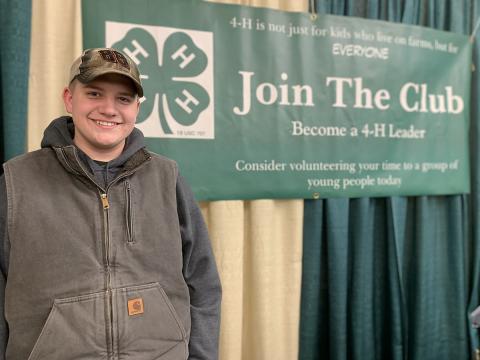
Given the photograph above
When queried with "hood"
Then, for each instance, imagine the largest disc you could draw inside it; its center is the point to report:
(61, 131)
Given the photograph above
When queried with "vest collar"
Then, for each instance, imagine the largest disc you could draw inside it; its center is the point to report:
(69, 158)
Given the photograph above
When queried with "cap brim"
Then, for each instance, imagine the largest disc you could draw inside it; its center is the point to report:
(92, 75)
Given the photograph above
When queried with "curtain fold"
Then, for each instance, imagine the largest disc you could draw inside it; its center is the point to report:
(286, 5)
(56, 42)
(257, 245)
(404, 267)
(14, 61)
(473, 249)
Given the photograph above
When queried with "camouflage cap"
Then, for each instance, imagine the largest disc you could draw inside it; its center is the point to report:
(100, 61)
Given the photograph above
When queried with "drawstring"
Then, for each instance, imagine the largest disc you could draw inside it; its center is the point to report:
(105, 173)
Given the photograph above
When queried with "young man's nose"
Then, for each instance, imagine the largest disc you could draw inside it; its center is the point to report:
(107, 107)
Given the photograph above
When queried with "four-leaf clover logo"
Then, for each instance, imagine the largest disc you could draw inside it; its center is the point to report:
(168, 86)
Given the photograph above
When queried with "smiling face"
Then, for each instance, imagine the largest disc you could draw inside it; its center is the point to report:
(104, 112)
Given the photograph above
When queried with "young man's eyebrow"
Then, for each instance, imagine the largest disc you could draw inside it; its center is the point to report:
(127, 93)
(90, 86)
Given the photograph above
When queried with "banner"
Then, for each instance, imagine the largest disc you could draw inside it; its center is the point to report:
(258, 103)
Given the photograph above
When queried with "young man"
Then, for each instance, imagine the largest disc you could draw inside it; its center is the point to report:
(105, 253)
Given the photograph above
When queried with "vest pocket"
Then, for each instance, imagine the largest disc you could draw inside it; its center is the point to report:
(75, 328)
(148, 325)
(129, 213)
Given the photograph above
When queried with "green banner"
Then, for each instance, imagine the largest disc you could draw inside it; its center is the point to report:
(257, 103)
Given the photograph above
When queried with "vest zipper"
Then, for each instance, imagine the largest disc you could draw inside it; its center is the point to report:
(108, 280)
(105, 202)
(129, 212)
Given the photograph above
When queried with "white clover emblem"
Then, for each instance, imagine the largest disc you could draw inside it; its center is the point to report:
(183, 99)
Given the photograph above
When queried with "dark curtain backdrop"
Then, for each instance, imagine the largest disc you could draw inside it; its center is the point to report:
(473, 256)
(14, 63)
(395, 278)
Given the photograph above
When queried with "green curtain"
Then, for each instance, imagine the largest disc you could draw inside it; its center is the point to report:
(14, 68)
(394, 278)
(473, 264)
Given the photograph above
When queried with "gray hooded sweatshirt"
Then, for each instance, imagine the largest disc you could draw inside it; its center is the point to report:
(103, 261)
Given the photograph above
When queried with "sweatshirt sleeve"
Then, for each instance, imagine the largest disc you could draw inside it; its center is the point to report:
(201, 276)
(4, 250)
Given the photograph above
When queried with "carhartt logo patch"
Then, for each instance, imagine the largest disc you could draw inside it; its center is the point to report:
(135, 306)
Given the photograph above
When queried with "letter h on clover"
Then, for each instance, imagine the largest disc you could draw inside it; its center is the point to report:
(181, 98)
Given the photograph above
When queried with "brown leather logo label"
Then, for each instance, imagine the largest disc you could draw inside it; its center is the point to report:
(135, 306)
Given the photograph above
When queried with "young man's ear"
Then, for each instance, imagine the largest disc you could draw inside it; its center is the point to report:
(67, 99)
(138, 104)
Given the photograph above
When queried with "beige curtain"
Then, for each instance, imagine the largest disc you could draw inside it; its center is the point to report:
(257, 244)
(56, 40)
(286, 5)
